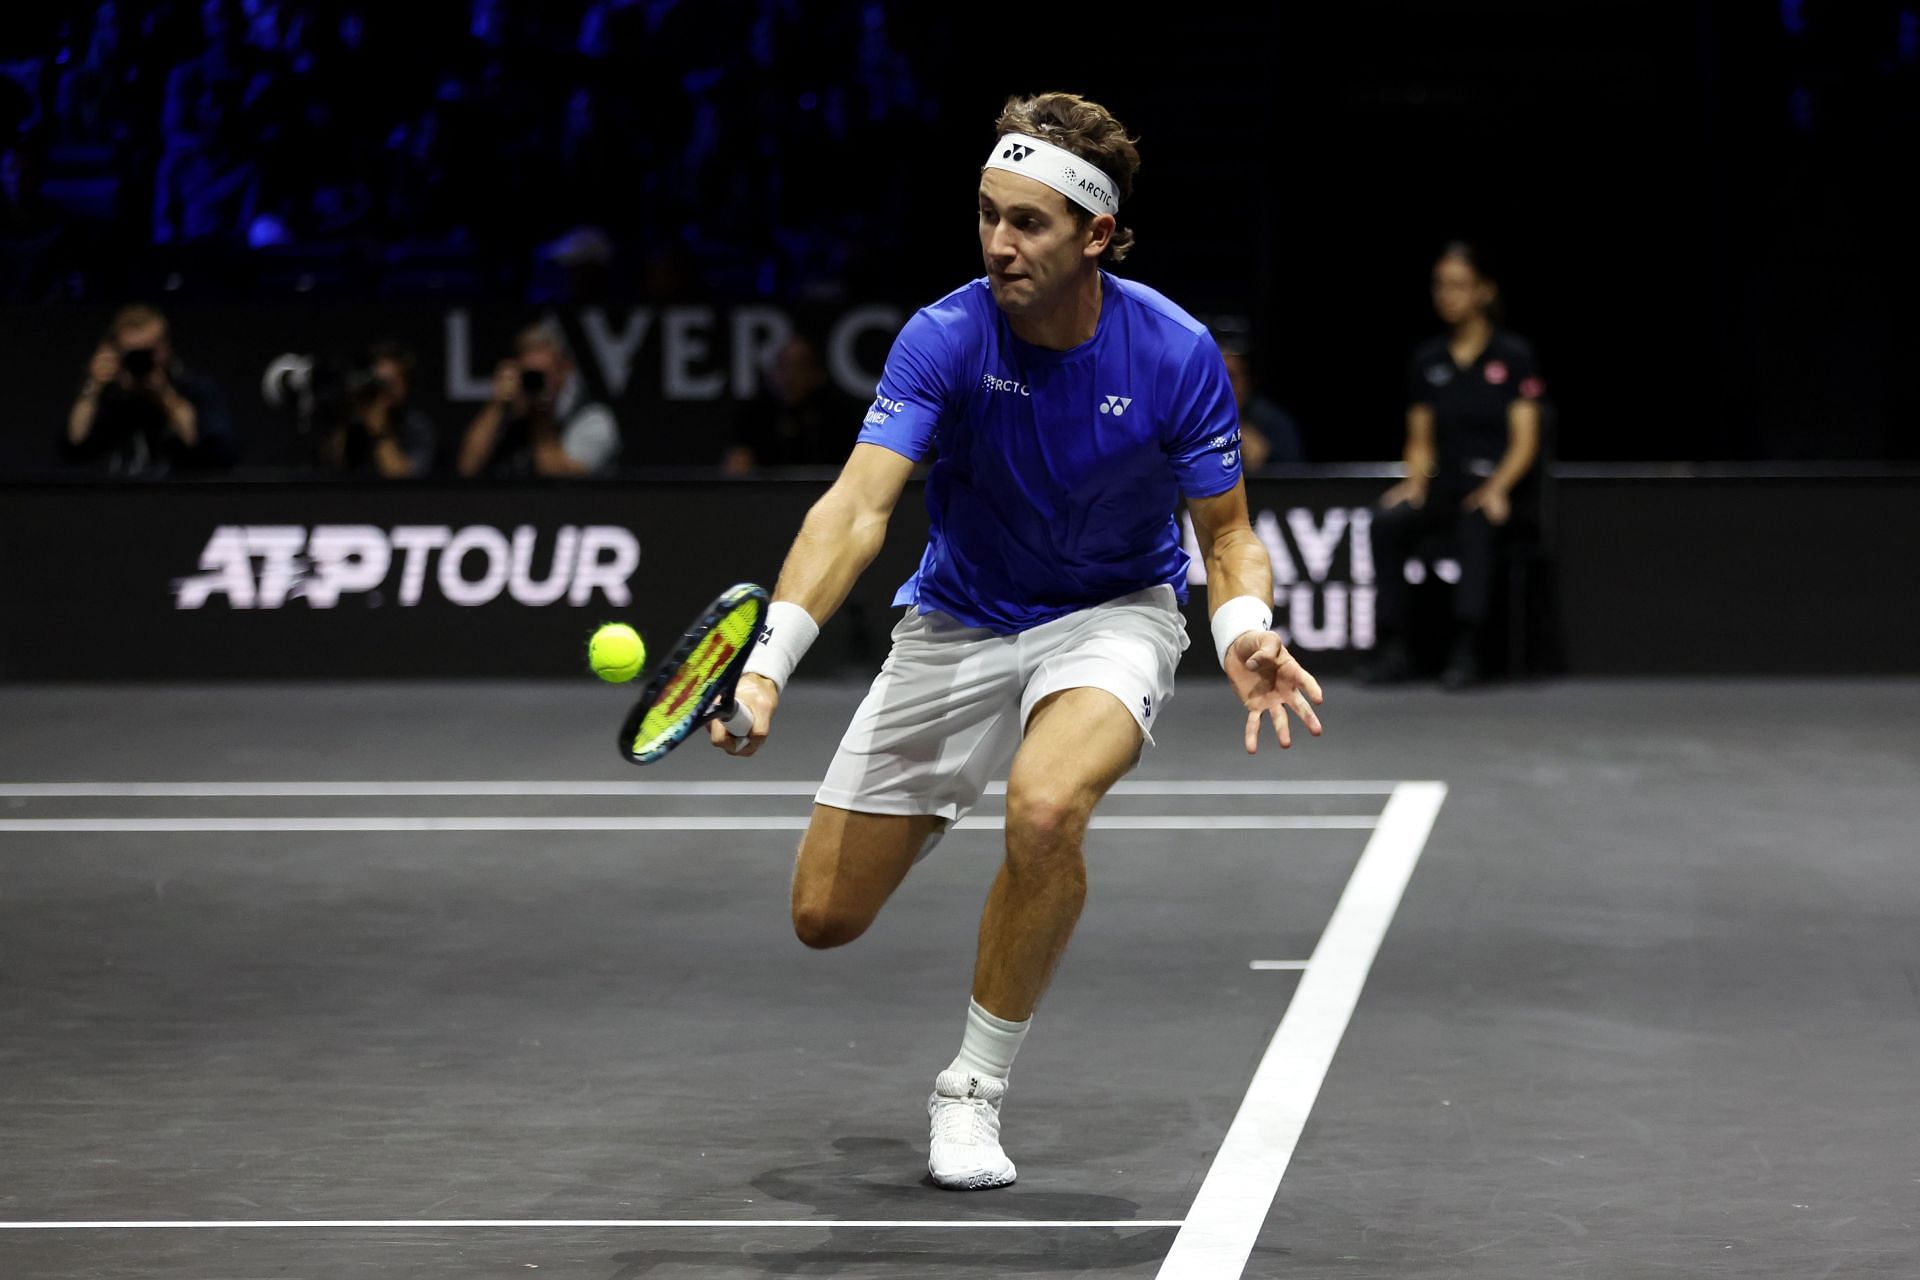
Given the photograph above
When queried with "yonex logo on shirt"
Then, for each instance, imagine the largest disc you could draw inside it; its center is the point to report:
(1116, 405)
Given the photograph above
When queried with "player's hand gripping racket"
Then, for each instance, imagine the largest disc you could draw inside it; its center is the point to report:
(695, 684)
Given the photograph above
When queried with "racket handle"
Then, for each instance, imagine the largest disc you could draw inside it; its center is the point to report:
(739, 721)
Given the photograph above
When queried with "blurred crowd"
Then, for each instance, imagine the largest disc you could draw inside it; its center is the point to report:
(143, 411)
(555, 151)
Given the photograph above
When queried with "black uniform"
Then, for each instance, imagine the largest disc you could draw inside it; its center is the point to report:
(1469, 437)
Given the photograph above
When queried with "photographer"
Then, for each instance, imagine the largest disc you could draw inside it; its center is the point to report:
(139, 410)
(539, 421)
(382, 434)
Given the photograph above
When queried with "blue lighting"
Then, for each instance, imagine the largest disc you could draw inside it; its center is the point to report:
(1793, 17)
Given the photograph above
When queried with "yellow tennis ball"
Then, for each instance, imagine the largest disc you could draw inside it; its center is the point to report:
(616, 653)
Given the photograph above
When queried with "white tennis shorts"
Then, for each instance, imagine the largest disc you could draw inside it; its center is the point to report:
(950, 703)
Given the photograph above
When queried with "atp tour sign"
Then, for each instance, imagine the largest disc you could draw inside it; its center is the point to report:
(266, 566)
(1323, 574)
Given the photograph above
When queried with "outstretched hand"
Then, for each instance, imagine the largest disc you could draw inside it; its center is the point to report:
(1269, 681)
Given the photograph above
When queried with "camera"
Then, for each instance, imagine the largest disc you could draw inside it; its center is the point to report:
(138, 363)
(533, 382)
(319, 393)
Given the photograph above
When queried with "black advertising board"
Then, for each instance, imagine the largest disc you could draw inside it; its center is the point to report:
(290, 581)
(338, 581)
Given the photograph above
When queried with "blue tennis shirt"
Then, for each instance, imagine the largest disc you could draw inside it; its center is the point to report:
(1055, 473)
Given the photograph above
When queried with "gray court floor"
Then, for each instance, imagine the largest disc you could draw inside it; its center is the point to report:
(1649, 1006)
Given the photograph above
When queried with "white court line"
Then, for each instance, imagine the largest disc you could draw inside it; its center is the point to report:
(1234, 1200)
(448, 1224)
(684, 822)
(1263, 966)
(509, 787)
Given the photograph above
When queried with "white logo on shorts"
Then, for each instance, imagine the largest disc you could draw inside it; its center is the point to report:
(1116, 405)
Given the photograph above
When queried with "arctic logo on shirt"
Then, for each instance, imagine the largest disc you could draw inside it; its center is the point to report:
(1116, 405)
(992, 383)
(883, 409)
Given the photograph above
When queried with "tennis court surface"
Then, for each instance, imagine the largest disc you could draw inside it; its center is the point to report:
(419, 980)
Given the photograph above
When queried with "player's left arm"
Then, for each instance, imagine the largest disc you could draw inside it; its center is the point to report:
(1266, 678)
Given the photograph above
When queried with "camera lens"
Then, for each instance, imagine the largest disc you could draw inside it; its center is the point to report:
(138, 362)
(533, 381)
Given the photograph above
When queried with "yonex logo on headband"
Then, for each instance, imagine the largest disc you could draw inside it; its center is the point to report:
(1058, 168)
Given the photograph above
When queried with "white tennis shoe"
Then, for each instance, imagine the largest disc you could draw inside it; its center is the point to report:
(964, 1152)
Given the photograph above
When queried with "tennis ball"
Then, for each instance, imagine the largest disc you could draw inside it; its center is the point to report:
(616, 653)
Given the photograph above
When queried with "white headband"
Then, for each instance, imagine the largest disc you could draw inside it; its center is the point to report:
(1058, 168)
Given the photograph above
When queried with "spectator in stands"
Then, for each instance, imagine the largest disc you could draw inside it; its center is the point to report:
(801, 419)
(140, 412)
(30, 231)
(383, 434)
(1473, 430)
(1268, 433)
(540, 421)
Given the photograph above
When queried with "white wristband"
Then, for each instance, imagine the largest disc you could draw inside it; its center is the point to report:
(1234, 619)
(785, 636)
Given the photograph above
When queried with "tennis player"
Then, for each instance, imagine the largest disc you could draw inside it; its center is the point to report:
(1066, 411)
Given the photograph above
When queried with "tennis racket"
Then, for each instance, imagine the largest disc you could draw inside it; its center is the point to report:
(696, 682)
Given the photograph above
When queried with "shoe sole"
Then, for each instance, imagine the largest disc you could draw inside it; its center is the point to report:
(974, 1182)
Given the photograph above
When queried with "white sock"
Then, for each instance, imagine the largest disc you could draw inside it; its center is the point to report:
(989, 1044)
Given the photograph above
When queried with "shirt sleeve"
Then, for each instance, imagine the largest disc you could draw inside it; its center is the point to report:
(914, 392)
(1419, 388)
(1526, 381)
(592, 438)
(1204, 439)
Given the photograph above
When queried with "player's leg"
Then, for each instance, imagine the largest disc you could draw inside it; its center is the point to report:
(849, 864)
(1096, 681)
(941, 718)
(1079, 742)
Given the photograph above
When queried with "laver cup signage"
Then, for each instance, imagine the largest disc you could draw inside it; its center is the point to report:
(270, 566)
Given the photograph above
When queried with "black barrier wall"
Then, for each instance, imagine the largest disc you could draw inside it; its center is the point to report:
(197, 581)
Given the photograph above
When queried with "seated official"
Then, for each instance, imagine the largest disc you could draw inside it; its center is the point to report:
(1473, 433)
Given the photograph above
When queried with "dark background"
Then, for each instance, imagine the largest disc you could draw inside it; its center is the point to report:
(1696, 209)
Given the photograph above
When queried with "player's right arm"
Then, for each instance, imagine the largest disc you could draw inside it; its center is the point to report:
(843, 531)
(841, 535)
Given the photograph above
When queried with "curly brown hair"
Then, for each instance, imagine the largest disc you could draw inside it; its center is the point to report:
(1091, 132)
